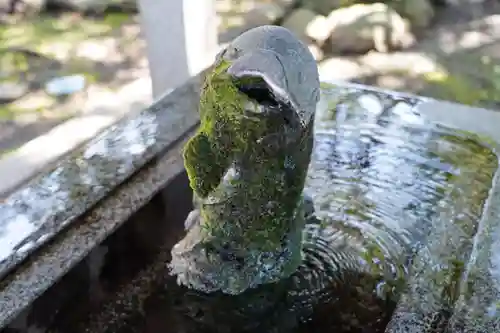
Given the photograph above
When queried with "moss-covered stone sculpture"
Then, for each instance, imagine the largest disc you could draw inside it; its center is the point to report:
(247, 165)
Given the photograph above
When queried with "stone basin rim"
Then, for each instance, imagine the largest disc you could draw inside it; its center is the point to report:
(18, 205)
(182, 100)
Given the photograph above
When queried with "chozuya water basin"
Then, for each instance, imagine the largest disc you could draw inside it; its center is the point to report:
(402, 194)
(394, 233)
(383, 239)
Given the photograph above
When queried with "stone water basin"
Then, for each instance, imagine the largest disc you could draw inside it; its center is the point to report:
(408, 184)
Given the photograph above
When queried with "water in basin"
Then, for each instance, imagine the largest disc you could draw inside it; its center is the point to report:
(387, 186)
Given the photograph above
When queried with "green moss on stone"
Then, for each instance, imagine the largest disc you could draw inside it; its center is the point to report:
(221, 133)
(259, 202)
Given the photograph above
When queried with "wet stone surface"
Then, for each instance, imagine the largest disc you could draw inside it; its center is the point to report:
(410, 200)
(34, 214)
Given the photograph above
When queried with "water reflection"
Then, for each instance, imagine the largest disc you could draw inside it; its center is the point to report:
(407, 193)
(374, 178)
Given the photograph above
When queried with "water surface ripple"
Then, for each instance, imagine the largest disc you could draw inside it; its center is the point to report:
(405, 194)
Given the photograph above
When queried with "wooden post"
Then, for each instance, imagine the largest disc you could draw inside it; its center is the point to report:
(181, 37)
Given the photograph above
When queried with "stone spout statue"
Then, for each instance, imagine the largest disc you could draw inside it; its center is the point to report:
(247, 165)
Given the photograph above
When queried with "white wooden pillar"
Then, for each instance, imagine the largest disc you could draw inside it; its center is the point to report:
(181, 37)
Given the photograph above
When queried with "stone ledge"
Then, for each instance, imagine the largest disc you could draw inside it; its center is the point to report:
(36, 213)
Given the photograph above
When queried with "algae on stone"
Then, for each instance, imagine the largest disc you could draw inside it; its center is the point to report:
(232, 141)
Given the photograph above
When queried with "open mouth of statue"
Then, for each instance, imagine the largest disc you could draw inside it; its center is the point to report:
(268, 102)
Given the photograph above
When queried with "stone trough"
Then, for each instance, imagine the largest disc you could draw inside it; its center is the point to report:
(84, 247)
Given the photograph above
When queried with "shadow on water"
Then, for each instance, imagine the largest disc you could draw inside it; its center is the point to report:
(384, 183)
